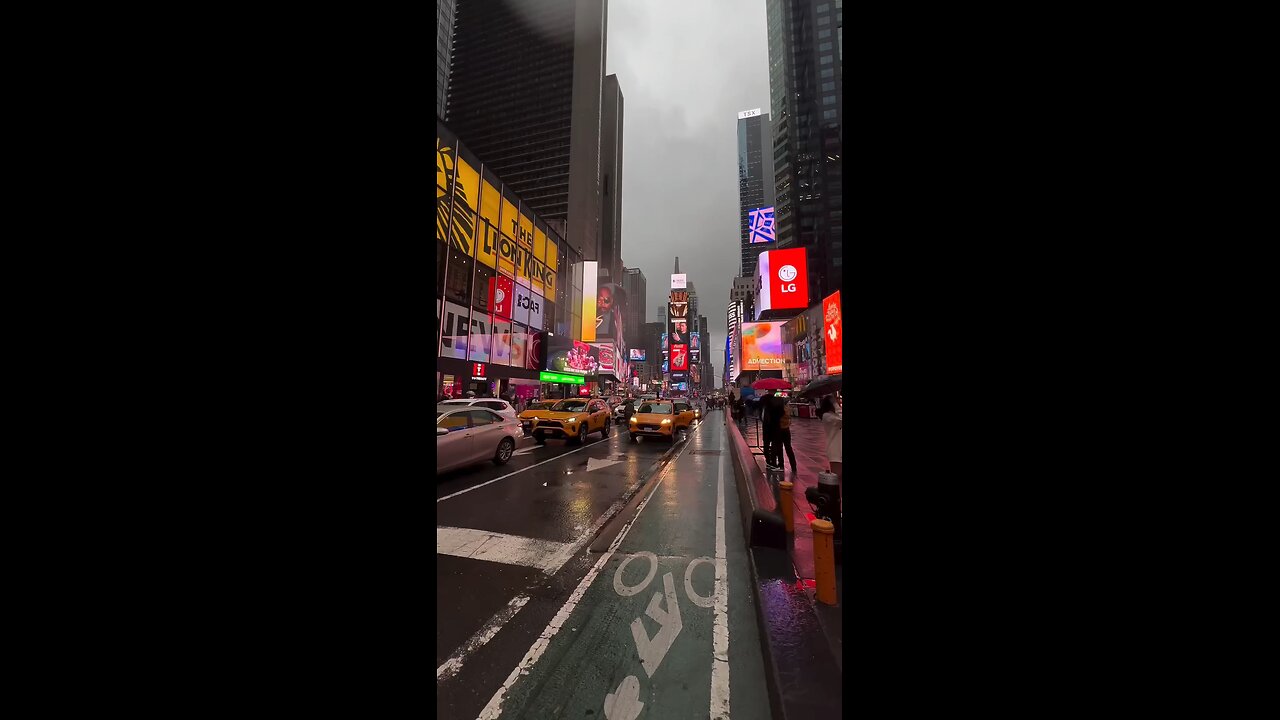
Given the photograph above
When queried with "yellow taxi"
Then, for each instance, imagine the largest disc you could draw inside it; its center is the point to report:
(687, 413)
(573, 419)
(534, 411)
(658, 418)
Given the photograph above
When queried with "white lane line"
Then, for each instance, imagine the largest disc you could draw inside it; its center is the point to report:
(720, 632)
(500, 619)
(493, 709)
(545, 555)
(473, 487)
(484, 635)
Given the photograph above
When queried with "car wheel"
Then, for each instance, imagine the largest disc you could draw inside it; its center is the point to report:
(604, 431)
(505, 448)
(540, 438)
(582, 434)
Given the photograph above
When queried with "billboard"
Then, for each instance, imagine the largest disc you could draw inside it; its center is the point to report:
(638, 354)
(679, 281)
(760, 225)
(749, 114)
(589, 270)
(611, 306)
(501, 296)
(695, 343)
(679, 358)
(679, 332)
(762, 346)
(664, 342)
(528, 302)
(783, 279)
(831, 331)
(568, 356)
(605, 358)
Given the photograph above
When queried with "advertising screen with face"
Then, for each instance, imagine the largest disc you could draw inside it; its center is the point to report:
(611, 305)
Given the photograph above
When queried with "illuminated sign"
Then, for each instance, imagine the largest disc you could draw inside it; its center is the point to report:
(528, 307)
(679, 357)
(550, 377)
(831, 331)
(638, 354)
(762, 346)
(477, 371)
(749, 114)
(589, 270)
(783, 279)
(760, 225)
(678, 281)
(694, 343)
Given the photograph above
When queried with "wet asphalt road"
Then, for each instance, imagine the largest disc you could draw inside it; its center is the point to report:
(514, 546)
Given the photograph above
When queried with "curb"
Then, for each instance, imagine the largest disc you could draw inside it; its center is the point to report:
(801, 671)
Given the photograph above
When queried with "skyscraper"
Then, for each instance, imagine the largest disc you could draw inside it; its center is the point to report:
(525, 93)
(805, 88)
(756, 192)
(444, 38)
(636, 287)
(611, 180)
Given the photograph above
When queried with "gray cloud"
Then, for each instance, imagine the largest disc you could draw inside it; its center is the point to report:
(686, 68)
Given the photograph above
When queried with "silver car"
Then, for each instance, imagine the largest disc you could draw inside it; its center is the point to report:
(498, 405)
(467, 435)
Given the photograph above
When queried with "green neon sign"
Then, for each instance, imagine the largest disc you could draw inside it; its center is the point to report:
(551, 377)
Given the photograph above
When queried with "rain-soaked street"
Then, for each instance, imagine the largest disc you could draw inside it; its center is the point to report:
(601, 581)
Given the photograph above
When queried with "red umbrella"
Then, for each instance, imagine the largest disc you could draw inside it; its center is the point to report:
(771, 384)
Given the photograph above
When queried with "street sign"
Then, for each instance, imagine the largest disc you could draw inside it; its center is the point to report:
(551, 377)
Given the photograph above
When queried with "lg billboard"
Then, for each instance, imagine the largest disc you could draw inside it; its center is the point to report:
(783, 279)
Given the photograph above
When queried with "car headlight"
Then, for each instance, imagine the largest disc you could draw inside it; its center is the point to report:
(666, 421)
(633, 419)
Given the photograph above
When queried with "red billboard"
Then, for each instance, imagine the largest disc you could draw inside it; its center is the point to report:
(679, 358)
(831, 331)
(784, 280)
(502, 295)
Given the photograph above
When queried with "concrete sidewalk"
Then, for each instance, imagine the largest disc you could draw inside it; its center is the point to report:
(802, 638)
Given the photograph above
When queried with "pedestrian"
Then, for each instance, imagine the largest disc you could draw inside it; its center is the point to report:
(784, 439)
(771, 427)
(833, 424)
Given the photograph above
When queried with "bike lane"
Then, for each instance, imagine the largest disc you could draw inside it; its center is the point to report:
(663, 626)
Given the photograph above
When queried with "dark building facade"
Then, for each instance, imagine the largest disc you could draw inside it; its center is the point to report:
(805, 88)
(611, 179)
(525, 90)
(636, 287)
(755, 187)
(444, 38)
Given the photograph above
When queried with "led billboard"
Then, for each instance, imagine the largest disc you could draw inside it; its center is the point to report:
(762, 346)
(760, 225)
(638, 354)
(783, 277)
(679, 281)
(589, 270)
(679, 358)
(831, 330)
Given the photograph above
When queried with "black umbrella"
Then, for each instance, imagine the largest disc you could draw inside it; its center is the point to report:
(821, 385)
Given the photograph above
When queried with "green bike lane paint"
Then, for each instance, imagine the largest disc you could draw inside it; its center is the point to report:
(663, 625)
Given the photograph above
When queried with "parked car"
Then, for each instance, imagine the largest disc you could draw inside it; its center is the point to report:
(573, 419)
(537, 409)
(467, 435)
(657, 418)
(498, 405)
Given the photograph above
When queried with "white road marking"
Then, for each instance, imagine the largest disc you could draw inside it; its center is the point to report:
(624, 703)
(699, 600)
(493, 709)
(526, 451)
(720, 631)
(451, 666)
(517, 472)
(545, 555)
(594, 464)
(653, 650)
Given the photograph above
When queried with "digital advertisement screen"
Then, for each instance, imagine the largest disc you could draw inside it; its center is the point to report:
(569, 356)
(589, 270)
(679, 357)
(762, 346)
(679, 280)
(695, 342)
(784, 280)
(831, 330)
(637, 354)
(760, 225)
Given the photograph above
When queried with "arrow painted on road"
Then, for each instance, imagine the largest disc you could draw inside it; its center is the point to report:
(594, 464)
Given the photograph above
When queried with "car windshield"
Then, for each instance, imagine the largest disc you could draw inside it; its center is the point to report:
(539, 406)
(570, 405)
(657, 408)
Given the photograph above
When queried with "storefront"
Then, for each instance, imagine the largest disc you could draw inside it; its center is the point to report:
(457, 377)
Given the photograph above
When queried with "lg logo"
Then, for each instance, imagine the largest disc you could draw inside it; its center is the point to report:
(786, 274)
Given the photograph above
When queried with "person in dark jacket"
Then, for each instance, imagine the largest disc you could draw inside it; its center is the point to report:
(771, 427)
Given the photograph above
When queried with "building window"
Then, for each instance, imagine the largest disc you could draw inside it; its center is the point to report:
(828, 86)
(824, 34)
(828, 73)
(824, 7)
(824, 20)
(825, 46)
(826, 60)
(457, 283)
(829, 115)
(829, 100)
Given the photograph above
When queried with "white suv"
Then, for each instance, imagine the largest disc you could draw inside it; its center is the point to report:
(502, 407)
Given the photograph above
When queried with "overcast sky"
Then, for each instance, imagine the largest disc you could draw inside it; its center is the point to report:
(686, 68)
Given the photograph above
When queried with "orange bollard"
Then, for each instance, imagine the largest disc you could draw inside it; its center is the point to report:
(785, 505)
(824, 559)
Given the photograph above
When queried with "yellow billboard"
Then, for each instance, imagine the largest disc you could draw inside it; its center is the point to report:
(444, 183)
(486, 248)
(466, 191)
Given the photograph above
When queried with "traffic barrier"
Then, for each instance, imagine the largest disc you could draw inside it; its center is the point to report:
(824, 559)
(825, 499)
(786, 499)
